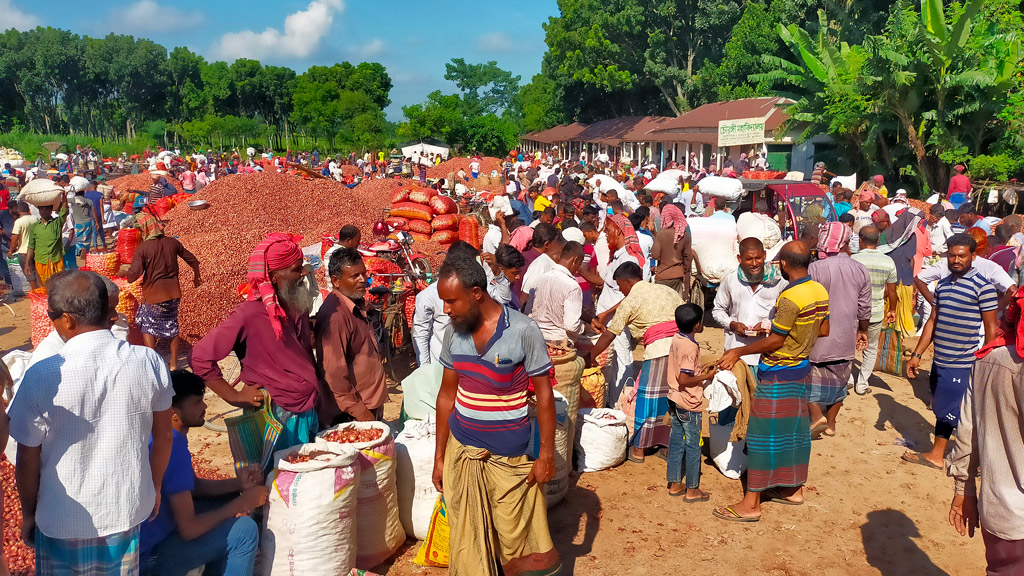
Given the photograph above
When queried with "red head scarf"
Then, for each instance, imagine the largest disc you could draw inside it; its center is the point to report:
(672, 217)
(632, 242)
(276, 252)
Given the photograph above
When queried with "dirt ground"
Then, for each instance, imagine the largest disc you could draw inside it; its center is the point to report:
(867, 512)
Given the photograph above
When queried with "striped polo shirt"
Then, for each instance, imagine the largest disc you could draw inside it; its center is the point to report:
(799, 313)
(959, 303)
(490, 404)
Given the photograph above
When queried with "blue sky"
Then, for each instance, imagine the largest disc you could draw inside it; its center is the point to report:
(412, 39)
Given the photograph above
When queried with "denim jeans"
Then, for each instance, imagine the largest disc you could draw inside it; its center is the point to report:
(684, 446)
(229, 550)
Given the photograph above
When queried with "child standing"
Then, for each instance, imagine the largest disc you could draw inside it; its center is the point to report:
(685, 405)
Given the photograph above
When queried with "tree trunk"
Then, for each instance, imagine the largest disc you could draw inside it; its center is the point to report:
(669, 99)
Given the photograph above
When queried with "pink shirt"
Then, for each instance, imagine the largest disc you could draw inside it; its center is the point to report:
(188, 180)
(684, 358)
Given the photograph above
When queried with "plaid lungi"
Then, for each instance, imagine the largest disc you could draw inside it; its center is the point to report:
(649, 426)
(83, 234)
(779, 430)
(827, 384)
(160, 320)
(113, 555)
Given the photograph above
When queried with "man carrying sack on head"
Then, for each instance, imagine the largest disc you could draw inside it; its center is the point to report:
(270, 333)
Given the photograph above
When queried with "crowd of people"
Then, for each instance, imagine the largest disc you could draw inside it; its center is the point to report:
(579, 267)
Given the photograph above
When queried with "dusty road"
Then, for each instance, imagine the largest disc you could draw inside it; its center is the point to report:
(867, 512)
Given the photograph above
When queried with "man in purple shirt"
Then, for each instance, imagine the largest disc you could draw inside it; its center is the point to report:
(271, 335)
(849, 288)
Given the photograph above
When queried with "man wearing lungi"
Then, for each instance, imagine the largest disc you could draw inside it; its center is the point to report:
(848, 283)
(271, 335)
(779, 432)
(156, 262)
(496, 507)
(649, 311)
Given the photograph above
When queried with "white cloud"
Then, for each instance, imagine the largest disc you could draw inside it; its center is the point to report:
(13, 17)
(302, 34)
(495, 42)
(148, 16)
(372, 49)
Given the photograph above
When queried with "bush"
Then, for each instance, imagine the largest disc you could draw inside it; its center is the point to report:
(999, 167)
(31, 143)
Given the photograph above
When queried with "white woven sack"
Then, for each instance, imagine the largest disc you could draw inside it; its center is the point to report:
(557, 487)
(414, 454)
(721, 187)
(310, 520)
(602, 439)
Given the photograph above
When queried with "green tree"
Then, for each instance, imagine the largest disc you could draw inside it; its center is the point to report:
(486, 88)
(539, 103)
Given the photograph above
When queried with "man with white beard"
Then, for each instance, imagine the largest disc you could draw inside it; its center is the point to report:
(271, 335)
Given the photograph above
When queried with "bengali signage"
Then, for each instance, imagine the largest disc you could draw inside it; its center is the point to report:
(740, 132)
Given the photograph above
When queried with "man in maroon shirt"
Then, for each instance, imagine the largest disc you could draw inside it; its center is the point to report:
(271, 335)
(348, 362)
(959, 186)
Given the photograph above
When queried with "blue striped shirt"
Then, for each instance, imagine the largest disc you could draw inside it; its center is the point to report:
(959, 303)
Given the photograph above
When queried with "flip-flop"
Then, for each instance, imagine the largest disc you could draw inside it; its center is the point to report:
(916, 458)
(818, 429)
(631, 458)
(704, 498)
(831, 434)
(731, 515)
(774, 496)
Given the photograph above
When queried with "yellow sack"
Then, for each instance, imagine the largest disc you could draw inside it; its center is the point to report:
(434, 550)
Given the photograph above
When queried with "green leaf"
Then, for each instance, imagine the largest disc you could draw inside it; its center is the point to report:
(934, 19)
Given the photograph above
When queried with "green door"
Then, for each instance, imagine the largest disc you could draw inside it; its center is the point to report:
(780, 157)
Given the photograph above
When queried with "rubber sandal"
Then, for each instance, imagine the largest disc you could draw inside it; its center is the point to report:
(818, 429)
(704, 498)
(631, 458)
(916, 458)
(732, 516)
(772, 495)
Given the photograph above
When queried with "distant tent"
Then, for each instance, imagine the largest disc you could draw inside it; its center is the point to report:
(425, 148)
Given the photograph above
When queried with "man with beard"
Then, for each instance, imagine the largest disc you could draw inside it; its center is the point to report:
(270, 335)
(779, 432)
(348, 362)
(493, 489)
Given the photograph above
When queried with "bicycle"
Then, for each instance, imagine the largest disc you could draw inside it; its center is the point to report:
(391, 325)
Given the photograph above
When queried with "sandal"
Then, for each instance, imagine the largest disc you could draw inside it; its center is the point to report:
(704, 497)
(729, 515)
(918, 458)
(773, 495)
(632, 458)
(818, 430)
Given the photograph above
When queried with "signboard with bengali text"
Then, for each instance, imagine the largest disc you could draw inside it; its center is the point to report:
(740, 132)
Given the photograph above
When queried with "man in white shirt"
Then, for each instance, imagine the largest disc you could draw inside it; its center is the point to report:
(548, 241)
(429, 321)
(692, 202)
(746, 299)
(94, 404)
(939, 229)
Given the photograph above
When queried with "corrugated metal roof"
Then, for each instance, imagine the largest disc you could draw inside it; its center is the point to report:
(618, 130)
(708, 115)
(561, 133)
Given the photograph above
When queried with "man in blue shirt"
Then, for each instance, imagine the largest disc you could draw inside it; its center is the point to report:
(198, 522)
(964, 302)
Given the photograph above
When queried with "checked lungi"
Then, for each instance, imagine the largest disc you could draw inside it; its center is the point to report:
(159, 320)
(649, 426)
(779, 430)
(828, 381)
(113, 555)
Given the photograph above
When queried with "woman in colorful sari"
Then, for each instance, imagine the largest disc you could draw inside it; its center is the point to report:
(903, 248)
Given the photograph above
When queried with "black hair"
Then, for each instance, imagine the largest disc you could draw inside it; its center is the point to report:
(799, 259)
(81, 294)
(588, 227)
(469, 273)
(550, 211)
(461, 249)
(616, 204)
(569, 223)
(572, 249)
(951, 214)
(962, 239)
(869, 235)
(638, 216)
(508, 257)
(1004, 232)
(589, 210)
(688, 316)
(544, 234)
(966, 209)
(846, 218)
(628, 271)
(751, 244)
(937, 210)
(343, 258)
(347, 232)
(185, 385)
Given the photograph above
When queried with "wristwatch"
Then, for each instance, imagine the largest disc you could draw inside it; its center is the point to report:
(915, 355)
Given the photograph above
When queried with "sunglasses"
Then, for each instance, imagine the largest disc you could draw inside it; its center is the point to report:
(53, 315)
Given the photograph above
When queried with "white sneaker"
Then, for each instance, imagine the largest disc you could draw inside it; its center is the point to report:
(861, 388)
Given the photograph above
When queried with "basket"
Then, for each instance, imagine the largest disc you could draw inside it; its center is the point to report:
(252, 436)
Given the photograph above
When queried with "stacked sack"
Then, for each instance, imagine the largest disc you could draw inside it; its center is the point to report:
(425, 214)
(414, 451)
